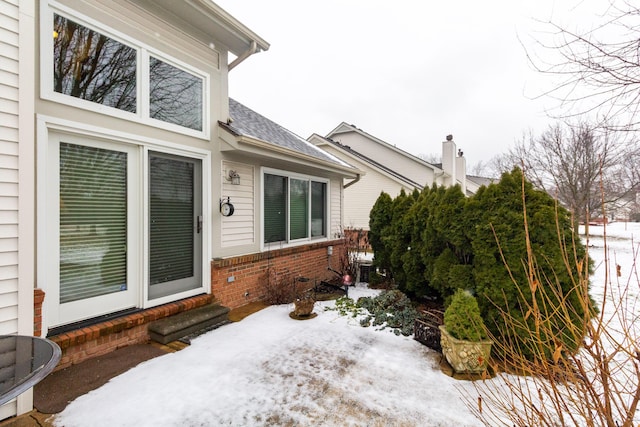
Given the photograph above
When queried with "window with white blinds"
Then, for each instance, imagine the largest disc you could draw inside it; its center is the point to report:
(295, 208)
(275, 208)
(299, 209)
(93, 222)
(123, 226)
(318, 209)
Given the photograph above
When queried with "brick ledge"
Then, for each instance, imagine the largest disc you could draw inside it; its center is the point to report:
(273, 253)
(82, 335)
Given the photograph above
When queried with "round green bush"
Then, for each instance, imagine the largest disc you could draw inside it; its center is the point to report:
(499, 239)
(462, 317)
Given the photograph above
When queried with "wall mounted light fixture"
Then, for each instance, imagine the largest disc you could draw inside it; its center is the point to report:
(233, 176)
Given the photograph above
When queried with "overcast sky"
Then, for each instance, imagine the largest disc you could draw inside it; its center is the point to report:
(409, 72)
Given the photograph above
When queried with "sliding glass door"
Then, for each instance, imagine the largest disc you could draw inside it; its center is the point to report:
(175, 224)
(94, 189)
(100, 259)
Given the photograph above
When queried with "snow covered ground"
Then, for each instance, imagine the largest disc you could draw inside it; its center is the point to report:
(272, 370)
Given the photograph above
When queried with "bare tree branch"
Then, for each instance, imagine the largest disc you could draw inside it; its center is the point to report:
(569, 161)
(599, 69)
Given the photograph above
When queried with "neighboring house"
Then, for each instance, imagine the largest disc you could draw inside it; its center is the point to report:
(389, 169)
(627, 208)
(132, 187)
(474, 183)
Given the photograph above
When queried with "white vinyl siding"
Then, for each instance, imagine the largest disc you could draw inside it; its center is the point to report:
(363, 195)
(335, 208)
(239, 228)
(360, 198)
(409, 166)
(9, 167)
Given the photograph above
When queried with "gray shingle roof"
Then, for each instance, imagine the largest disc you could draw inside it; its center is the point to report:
(247, 122)
(482, 180)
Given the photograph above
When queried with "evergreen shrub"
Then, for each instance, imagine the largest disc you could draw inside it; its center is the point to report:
(379, 222)
(392, 309)
(439, 240)
(462, 317)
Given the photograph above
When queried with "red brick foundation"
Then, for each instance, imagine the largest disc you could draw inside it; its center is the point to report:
(38, 299)
(249, 271)
(95, 340)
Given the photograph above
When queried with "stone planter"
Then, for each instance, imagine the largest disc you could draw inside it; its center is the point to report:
(465, 356)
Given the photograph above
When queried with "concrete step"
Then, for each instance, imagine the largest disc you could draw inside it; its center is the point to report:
(183, 324)
(186, 340)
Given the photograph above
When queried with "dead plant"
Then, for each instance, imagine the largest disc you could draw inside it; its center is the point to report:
(277, 286)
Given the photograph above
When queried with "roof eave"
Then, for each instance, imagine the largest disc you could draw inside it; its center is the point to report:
(394, 176)
(275, 151)
(347, 128)
(210, 19)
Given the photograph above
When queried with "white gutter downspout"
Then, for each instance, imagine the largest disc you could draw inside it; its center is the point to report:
(349, 184)
(252, 49)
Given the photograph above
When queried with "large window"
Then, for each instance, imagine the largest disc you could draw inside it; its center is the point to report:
(318, 209)
(295, 208)
(275, 208)
(175, 95)
(93, 67)
(90, 65)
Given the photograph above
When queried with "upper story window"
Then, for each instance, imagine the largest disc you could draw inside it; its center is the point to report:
(94, 68)
(295, 208)
(175, 96)
(91, 66)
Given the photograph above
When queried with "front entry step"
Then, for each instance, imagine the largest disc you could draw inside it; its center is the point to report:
(188, 323)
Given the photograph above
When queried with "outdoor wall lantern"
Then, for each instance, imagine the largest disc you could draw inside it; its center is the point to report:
(233, 176)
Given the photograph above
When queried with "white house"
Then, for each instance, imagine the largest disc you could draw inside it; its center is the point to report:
(388, 168)
(131, 186)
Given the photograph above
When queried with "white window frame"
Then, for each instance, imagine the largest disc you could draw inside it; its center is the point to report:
(293, 175)
(48, 226)
(104, 303)
(143, 52)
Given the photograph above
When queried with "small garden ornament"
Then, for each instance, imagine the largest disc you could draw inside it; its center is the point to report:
(463, 336)
(303, 306)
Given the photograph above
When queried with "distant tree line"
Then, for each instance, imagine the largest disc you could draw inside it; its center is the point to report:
(593, 172)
